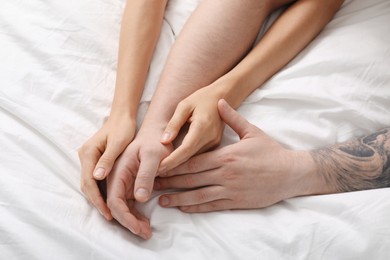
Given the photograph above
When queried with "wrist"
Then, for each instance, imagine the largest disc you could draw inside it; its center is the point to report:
(122, 115)
(305, 177)
(228, 88)
(123, 109)
(234, 88)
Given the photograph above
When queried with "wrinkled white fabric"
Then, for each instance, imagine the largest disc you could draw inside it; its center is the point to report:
(57, 75)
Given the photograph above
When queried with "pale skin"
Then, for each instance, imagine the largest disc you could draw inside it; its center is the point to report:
(193, 54)
(231, 78)
(257, 171)
(242, 175)
(295, 29)
(137, 43)
(136, 47)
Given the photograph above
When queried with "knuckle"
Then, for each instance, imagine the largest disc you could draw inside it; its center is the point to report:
(227, 158)
(183, 105)
(86, 152)
(111, 203)
(145, 178)
(229, 175)
(83, 150)
(106, 159)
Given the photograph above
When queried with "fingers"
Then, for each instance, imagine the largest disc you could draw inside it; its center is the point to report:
(91, 189)
(187, 181)
(199, 163)
(232, 118)
(191, 145)
(143, 186)
(107, 160)
(88, 184)
(193, 197)
(137, 225)
(217, 205)
(119, 187)
(179, 118)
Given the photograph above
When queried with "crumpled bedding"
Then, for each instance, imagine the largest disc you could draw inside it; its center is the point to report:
(57, 74)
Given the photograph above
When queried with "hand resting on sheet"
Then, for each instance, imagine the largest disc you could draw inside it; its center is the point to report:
(257, 171)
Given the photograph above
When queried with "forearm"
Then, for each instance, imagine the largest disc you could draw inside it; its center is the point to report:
(293, 30)
(140, 30)
(360, 164)
(213, 40)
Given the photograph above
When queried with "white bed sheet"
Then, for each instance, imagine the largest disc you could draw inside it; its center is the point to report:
(57, 73)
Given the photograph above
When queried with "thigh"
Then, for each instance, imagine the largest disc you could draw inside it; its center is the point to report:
(214, 39)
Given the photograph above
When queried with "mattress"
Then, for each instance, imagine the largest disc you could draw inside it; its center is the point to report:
(57, 74)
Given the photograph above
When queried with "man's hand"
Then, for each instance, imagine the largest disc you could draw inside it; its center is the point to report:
(255, 172)
(120, 194)
(132, 180)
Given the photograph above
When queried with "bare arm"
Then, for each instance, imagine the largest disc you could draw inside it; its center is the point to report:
(141, 26)
(214, 39)
(292, 32)
(140, 30)
(360, 164)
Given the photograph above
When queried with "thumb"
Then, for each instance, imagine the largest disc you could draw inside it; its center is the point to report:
(233, 119)
(107, 160)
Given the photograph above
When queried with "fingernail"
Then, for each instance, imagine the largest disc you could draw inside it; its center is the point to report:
(164, 201)
(141, 192)
(165, 136)
(99, 173)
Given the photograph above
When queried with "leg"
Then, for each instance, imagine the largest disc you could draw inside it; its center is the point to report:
(214, 39)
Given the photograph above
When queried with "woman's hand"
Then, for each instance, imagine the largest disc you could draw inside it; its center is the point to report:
(205, 129)
(253, 173)
(98, 154)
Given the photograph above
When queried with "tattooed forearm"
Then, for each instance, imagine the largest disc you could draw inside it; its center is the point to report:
(356, 165)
